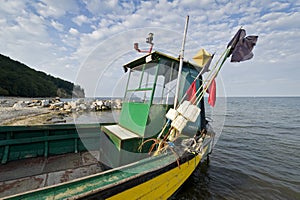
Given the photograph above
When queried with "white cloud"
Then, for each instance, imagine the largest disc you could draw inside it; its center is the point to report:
(73, 31)
(62, 34)
(12, 8)
(79, 20)
(55, 8)
(101, 7)
(58, 26)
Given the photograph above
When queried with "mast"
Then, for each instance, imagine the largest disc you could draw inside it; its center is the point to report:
(181, 55)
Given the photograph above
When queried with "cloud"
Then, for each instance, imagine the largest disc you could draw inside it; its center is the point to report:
(101, 7)
(12, 8)
(58, 26)
(55, 8)
(62, 35)
(79, 20)
(73, 31)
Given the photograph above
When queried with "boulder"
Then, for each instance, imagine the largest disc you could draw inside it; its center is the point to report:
(58, 104)
(19, 105)
(82, 106)
(99, 103)
(107, 104)
(117, 104)
(45, 103)
(67, 106)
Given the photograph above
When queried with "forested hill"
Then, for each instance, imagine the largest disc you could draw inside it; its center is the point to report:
(17, 79)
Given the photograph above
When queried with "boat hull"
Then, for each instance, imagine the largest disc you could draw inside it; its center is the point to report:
(152, 178)
(163, 185)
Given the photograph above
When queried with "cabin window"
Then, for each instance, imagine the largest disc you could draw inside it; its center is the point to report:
(153, 82)
(141, 83)
(166, 82)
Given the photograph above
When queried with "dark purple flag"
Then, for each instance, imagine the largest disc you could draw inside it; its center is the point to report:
(233, 42)
(241, 46)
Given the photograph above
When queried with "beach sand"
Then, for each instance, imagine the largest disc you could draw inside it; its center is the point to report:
(29, 116)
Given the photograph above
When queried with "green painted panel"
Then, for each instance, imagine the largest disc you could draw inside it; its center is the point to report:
(19, 142)
(26, 151)
(156, 120)
(134, 117)
(61, 147)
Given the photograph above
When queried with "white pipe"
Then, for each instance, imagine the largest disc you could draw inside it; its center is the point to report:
(181, 55)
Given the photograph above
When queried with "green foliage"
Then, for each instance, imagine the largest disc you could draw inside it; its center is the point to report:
(17, 79)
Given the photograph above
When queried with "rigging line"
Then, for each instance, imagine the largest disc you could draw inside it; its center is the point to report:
(197, 77)
(202, 85)
(200, 89)
(226, 53)
(212, 71)
(214, 75)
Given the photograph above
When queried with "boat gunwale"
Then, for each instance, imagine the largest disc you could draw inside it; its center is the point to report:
(149, 175)
(140, 162)
(161, 168)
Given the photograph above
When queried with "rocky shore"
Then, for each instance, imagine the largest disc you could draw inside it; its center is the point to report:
(22, 111)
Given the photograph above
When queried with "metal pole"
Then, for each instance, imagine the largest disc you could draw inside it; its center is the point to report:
(181, 55)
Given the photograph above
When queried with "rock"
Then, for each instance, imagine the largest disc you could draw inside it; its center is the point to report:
(68, 111)
(27, 102)
(93, 107)
(58, 104)
(45, 103)
(117, 104)
(99, 103)
(82, 106)
(107, 104)
(33, 104)
(19, 105)
(51, 107)
(67, 106)
(73, 105)
(55, 100)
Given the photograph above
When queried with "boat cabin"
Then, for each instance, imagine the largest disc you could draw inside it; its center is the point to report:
(149, 93)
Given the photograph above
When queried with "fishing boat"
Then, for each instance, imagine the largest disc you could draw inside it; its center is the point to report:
(160, 139)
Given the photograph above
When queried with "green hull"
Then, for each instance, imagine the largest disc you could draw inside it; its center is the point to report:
(69, 179)
(109, 183)
(19, 142)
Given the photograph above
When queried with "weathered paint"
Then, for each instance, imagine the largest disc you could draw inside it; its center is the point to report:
(19, 142)
(162, 186)
(134, 116)
(33, 173)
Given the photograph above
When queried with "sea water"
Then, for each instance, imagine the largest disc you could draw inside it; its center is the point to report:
(257, 155)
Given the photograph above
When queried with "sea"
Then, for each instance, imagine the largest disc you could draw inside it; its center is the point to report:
(256, 154)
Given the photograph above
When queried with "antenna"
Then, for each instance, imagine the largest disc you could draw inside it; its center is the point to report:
(149, 40)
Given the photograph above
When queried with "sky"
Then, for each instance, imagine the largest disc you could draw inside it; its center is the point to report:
(88, 41)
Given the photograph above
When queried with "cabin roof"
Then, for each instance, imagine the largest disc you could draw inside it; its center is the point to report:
(154, 57)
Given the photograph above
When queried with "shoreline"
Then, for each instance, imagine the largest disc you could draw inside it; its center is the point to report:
(17, 111)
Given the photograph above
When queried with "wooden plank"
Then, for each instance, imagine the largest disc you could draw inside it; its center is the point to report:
(120, 132)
